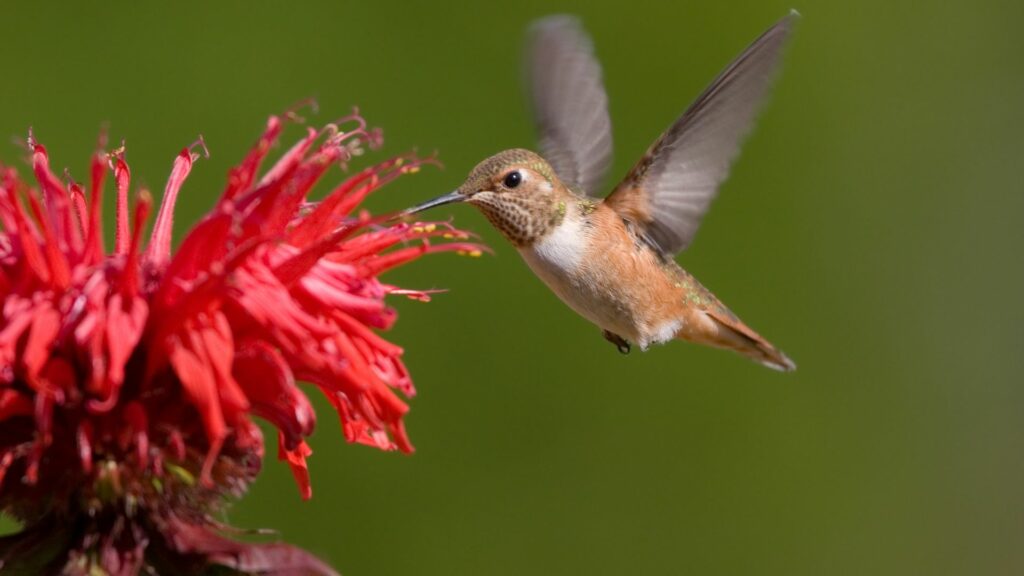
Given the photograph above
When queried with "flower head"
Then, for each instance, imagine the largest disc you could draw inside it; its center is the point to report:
(129, 378)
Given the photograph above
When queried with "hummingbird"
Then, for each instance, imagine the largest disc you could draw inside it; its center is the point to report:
(612, 260)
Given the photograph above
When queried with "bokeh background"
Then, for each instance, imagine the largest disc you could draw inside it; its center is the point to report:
(873, 229)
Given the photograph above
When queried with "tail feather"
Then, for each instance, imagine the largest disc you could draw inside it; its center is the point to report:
(733, 334)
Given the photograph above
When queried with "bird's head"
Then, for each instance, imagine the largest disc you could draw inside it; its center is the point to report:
(517, 190)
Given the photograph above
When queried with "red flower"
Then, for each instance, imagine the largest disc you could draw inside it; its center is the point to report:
(128, 379)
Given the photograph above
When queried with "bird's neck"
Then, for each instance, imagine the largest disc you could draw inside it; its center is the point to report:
(564, 242)
(524, 221)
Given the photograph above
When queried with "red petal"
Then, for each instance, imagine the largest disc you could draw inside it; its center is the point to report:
(60, 275)
(219, 347)
(297, 461)
(159, 250)
(57, 198)
(241, 177)
(94, 239)
(324, 218)
(123, 178)
(270, 387)
(193, 369)
(78, 230)
(275, 213)
(126, 319)
(203, 246)
(14, 403)
(45, 325)
(32, 253)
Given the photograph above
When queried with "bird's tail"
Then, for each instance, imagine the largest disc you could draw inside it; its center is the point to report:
(731, 333)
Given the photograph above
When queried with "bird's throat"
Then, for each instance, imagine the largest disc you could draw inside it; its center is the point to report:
(524, 221)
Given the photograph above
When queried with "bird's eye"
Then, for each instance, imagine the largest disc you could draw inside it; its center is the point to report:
(513, 179)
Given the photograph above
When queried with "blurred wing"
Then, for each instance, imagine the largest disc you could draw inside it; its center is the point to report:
(569, 103)
(672, 186)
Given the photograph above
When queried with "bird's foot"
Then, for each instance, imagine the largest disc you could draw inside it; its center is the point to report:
(619, 342)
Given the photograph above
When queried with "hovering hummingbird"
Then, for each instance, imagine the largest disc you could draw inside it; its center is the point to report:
(612, 260)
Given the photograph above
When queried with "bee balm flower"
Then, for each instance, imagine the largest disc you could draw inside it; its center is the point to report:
(129, 378)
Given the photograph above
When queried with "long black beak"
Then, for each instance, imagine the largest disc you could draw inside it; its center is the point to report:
(449, 198)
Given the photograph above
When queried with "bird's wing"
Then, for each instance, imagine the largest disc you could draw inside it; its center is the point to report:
(670, 189)
(569, 102)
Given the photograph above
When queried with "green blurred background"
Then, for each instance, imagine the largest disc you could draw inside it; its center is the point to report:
(872, 229)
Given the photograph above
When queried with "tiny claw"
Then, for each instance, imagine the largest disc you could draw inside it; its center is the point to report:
(619, 342)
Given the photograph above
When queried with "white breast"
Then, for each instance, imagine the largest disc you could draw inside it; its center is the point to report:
(558, 260)
(560, 250)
